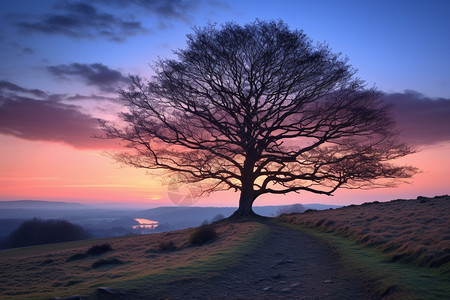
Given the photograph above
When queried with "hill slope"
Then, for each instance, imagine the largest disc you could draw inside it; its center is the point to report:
(260, 259)
(412, 231)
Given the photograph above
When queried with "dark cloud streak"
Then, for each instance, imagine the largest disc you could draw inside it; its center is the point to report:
(97, 74)
(165, 9)
(38, 117)
(82, 20)
(422, 120)
(33, 114)
(92, 19)
(6, 86)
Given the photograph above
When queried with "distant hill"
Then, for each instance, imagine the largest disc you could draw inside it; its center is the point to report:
(321, 206)
(110, 221)
(37, 204)
(192, 214)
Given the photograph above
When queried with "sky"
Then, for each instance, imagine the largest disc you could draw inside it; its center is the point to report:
(62, 62)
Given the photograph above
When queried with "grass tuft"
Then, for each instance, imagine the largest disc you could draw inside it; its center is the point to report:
(107, 261)
(99, 249)
(76, 256)
(202, 235)
(167, 246)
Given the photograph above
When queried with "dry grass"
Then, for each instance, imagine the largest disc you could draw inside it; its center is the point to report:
(43, 272)
(413, 231)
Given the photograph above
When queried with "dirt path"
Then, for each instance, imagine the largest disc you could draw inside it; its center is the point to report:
(291, 265)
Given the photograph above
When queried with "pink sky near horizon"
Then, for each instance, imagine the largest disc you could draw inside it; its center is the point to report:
(57, 77)
(58, 172)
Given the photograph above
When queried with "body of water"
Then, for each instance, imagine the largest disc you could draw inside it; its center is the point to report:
(145, 224)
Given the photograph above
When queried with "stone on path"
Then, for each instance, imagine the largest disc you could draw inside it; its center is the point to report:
(277, 276)
(284, 261)
(75, 297)
(110, 291)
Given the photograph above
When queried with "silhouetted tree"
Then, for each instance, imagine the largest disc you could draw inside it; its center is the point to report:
(37, 232)
(259, 109)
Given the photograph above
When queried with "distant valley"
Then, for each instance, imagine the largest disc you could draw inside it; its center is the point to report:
(110, 222)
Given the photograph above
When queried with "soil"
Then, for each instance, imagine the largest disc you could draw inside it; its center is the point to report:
(290, 265)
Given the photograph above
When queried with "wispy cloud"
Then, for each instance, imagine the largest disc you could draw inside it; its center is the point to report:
(32, 114)
(80, 20)
(97, 98)
(95, 19)
(166, 9)
(8, 87)
(97, 74)
(422, 120)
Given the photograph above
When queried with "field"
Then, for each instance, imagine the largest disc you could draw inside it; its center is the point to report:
(393, 250)
(43, 272)
(410, 231)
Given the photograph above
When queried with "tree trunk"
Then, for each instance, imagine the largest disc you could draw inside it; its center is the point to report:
(245, 205)
(247, 192)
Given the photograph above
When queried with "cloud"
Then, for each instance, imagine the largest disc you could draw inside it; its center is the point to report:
(6, 86)
(81, 20)
(164, 9)
(422, 120)
(32, 114)
(22, 49)
(97, 98)
(99, 75)
(92, 19)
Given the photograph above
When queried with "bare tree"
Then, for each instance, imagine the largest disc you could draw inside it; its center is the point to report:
(259, 109)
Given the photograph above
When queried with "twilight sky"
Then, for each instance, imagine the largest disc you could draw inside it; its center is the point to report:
(63, 61)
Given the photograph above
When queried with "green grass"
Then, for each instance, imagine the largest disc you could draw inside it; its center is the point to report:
(39, 249)
(124, 276)
(205, 267)
(387, 279)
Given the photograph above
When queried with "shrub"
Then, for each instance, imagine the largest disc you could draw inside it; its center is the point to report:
(167, 246)
(93, 251)
(38, 232)
(217, 217)
(99, 249)
(202, 235)
(76, 257)
(104, 262)
(290, 209)
(47, 262)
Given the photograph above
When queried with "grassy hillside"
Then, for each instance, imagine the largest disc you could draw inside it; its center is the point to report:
(412, 231)
(401, 248)
(63, 270)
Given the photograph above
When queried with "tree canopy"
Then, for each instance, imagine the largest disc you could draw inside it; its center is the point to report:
(259, 109)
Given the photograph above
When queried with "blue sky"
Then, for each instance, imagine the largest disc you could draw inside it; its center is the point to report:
(61, 62)
(395, 45)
